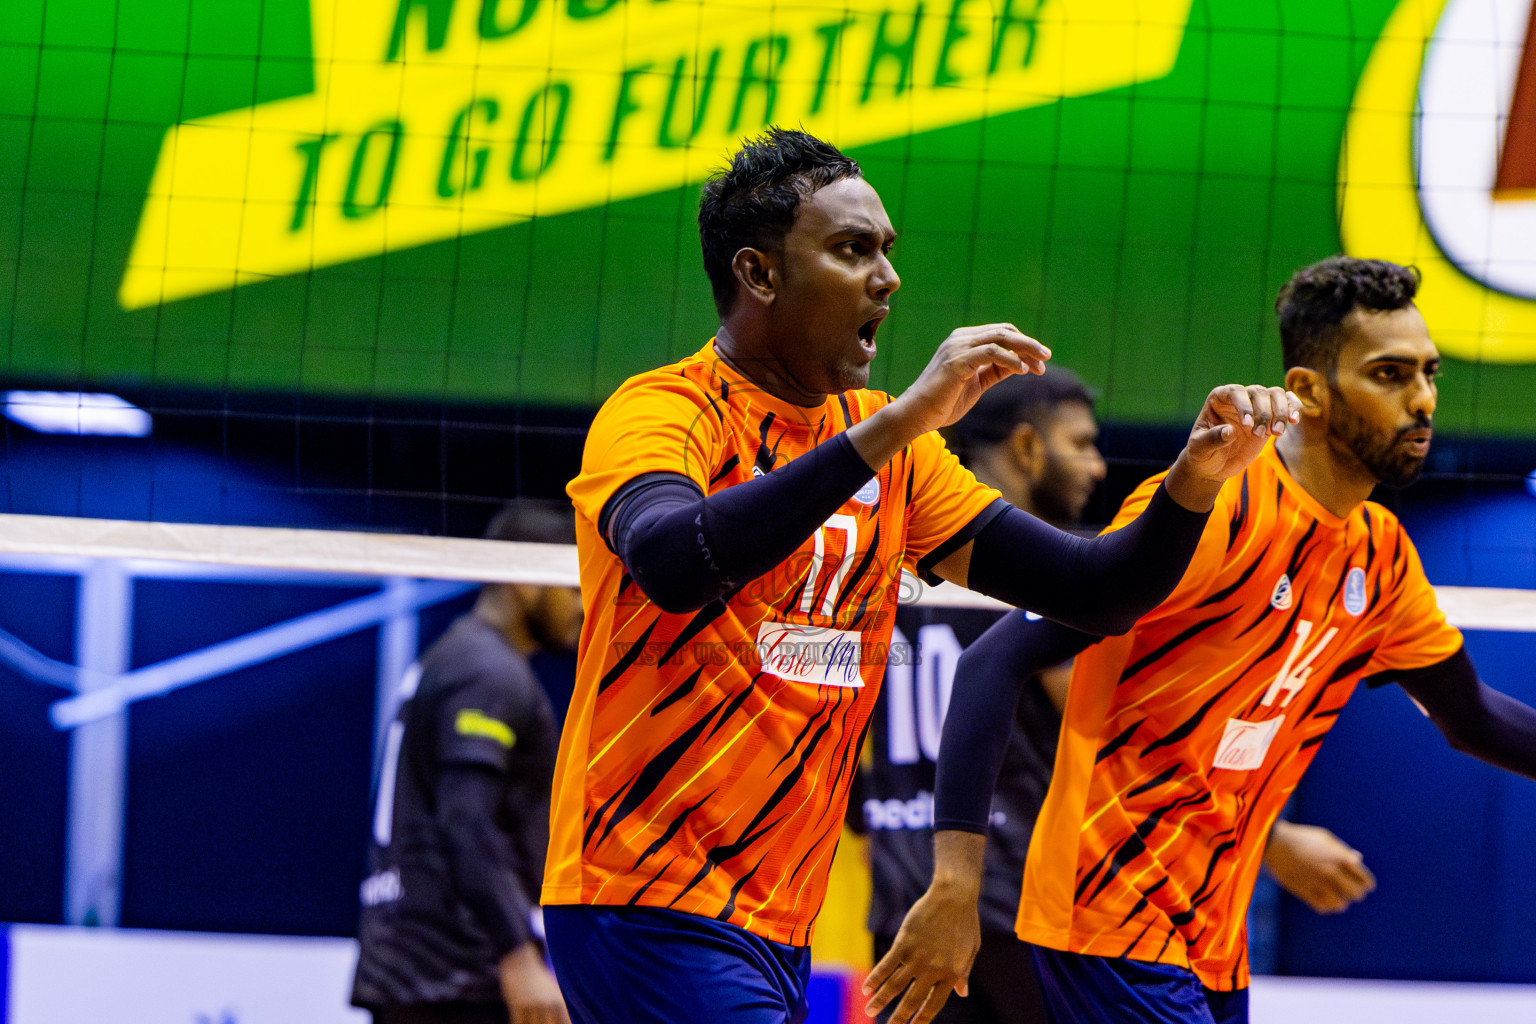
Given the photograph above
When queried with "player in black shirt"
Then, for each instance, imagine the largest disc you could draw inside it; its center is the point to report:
(1034, 439)
(462, 817)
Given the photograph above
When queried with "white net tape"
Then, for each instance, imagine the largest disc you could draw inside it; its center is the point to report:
(484, 561)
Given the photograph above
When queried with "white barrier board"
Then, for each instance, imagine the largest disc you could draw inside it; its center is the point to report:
(1348, 1001)
(130, 976)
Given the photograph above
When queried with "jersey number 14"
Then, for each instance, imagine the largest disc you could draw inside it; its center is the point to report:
(1298, 665)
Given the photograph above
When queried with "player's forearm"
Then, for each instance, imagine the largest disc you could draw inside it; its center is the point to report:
(487, 885)
(959, 860)
(1280, 849)
(880, 436)
(1475, 719)
(1506, 737)
(1191, 491)
(988, 678)
(684, 549)
(481, 856)
(1100, 585)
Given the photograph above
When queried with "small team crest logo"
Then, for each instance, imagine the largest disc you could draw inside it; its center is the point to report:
(1280, 599)
(1354, 591)
(757, 471)
(869, 493)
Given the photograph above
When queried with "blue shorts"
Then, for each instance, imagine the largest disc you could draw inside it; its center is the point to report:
(645, 964)
(1082, 989)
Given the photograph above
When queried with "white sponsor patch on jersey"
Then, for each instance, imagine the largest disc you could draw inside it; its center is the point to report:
(811, 654)
(1280, 597)
(1244, 744)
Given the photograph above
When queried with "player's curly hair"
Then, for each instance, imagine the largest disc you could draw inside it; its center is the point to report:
(1315, 301)
(752, 202)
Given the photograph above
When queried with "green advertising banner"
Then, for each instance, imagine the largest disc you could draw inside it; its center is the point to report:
(493, 200)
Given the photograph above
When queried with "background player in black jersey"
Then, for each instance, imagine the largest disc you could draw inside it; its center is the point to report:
(1034, 439)
(462, 819)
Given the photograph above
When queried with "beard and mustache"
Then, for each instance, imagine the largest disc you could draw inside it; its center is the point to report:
(1388, 461)
(1058, 496)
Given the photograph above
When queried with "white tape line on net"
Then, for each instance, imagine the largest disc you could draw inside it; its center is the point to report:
(1490, 608)
(374, 554)
(485, 561)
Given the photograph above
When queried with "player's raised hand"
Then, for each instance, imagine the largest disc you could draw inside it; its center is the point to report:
(930, 957)
(968, 362)
(1233, 426)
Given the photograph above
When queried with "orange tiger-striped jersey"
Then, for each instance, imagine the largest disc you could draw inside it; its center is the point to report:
(706, 757)
(1183, 738)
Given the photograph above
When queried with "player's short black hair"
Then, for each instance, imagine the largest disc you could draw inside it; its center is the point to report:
(1315, 301)
(751, 203)
(1022, 398)
(534, 520)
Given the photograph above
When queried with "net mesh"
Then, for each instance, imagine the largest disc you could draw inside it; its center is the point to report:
(371, 267)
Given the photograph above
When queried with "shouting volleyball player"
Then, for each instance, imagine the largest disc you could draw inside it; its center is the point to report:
(1184, 738)
(742, 519)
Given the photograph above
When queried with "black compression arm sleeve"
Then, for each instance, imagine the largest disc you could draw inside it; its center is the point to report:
(480, 855)
(1476, 719)
(1100, 585)
(988, 678)
(684, 549)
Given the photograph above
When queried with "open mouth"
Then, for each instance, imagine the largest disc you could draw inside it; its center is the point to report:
(867, 331)
(1417, 440)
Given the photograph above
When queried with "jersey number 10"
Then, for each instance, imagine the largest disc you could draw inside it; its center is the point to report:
(917, 696)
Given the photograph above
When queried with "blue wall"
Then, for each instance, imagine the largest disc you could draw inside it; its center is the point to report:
(1451, 840)
(247, 795)
(34, 758)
